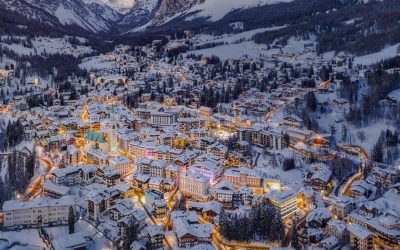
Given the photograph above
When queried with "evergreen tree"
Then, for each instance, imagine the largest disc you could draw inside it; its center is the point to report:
(288, 164)
(344, 133)
(377, 152)
(71, 220)
(12, 170)
(264, 221)
(294, 237)
(21, 179)
(332, 141)
(2, 192)
(311, 101)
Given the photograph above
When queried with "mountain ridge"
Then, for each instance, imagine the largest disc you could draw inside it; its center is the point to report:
(121, 16)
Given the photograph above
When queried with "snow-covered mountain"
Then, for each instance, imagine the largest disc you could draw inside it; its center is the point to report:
(215, 10)
(73, 12)
(141, 13)
(121, 6)
(59, 13)
(126, 15)
(105, 11)
(29, 11)
(150, 13)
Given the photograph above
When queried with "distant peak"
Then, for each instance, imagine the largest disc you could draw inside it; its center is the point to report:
(122, 6)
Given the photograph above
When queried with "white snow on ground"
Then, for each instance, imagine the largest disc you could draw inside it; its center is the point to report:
(352, 21)
(234, 51)
(202, 39)
(96, 63)
(90, 21)
(231, 38)
(214, 10)
(218, 9)
(66, 16)
(395, 94)
(50, 46)
(99, 242)
(121, 6)
(292, 178)
(140, 28)
(386, 53)
(27, 239)
(251, 49)
(372, 133)
(18, 48)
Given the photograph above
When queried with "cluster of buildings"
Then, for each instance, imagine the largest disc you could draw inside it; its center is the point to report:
(128, 152)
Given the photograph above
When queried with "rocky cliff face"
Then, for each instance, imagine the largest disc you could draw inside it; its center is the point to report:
(169, 8)
(59, 13)
(105, 11)
(155, 12)
(141, 13)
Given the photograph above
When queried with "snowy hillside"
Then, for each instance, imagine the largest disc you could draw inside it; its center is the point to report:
(73, 12)
(163, 11)
(388, 52)
(28, 10)
(122, 6)
(216, 10)
(46, 45)
(104, 11)
(58, 12)
(141, 13)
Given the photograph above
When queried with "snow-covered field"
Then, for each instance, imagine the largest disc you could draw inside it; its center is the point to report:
(337, 118)
(216, 10)
(234, 51)
(250, 49)
(50, 46)
(292, 178)
(96, 63)
(371, 132)
(231, 38)
(395, 94)
(388, 52)
(99, 242)
(27, 239)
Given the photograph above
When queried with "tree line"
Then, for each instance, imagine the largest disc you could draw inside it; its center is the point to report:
(20, 170)
(263, 222)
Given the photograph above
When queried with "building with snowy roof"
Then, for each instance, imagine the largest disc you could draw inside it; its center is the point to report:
(39, 211)
(319, 217)
(107, 176)
(67, 176)
(243, 177)
(155, 235)
(338, 228)
(189, 232)
(285, 201)
(195, 186)
(207, 165)
(360, 237)
(54, 191)
(341, 206)
(123, 165)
